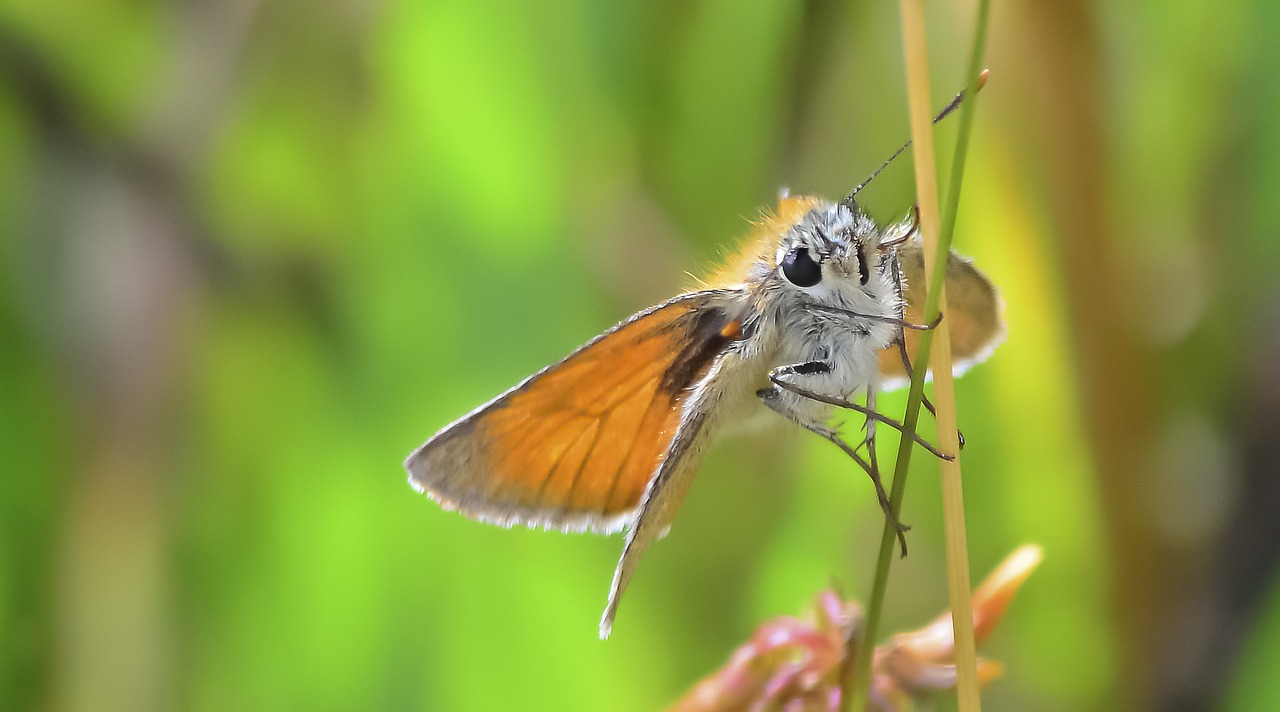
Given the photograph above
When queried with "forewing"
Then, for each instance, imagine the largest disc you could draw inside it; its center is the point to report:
(573, 446)
(974, 313)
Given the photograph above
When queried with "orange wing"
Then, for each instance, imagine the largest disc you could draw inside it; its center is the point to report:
(973, 313)
(573, 446)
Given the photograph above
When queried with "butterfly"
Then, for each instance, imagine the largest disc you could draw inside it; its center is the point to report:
(818, 306)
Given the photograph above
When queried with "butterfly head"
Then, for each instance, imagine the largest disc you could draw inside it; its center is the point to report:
(835, 256)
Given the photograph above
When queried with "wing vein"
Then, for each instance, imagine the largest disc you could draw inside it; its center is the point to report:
(555, 464)
(635, 438)
(577, 475)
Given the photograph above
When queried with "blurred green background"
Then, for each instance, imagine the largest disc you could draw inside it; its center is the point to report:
(254, 252)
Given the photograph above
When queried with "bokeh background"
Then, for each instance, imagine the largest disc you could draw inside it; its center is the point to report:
(255, 251)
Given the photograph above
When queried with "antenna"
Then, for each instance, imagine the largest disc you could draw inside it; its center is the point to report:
(982, 81)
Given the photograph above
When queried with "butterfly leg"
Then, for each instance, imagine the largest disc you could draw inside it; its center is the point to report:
(906, 363)
(772, 397)
(869, 426)
(782, 376)
(901, 341)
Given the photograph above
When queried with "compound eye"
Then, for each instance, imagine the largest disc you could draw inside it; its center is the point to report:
(800, 269)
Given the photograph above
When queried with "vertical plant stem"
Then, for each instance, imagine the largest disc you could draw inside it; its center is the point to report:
(958, 586)
(858, 677)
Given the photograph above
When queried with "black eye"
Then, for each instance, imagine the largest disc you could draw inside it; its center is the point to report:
(863, 271)
(800, 269)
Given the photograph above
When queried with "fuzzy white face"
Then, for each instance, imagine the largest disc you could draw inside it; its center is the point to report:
(826, 294)
(833, 257)
(832, 265)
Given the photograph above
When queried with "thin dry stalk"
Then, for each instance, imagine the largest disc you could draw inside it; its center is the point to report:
(937, 240)
(917, 59)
